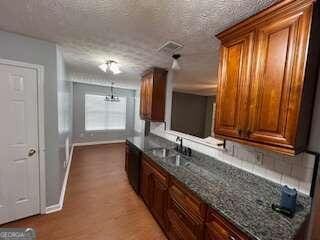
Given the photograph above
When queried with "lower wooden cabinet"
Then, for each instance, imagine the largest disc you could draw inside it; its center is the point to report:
(185, 213)
(217, 228)
(182, 225)
(153, 189)
(181, 214)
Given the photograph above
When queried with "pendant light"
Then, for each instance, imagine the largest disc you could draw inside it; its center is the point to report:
(175, 63)
(112, 97)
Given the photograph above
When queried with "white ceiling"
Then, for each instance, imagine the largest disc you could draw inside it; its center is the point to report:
(130, 32)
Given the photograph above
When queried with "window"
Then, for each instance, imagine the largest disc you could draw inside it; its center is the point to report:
(102, 115)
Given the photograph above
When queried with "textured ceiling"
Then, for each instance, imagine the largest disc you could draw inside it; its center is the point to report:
(130, 32)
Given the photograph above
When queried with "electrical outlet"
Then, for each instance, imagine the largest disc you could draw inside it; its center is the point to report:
(259, 158)
(230, 148)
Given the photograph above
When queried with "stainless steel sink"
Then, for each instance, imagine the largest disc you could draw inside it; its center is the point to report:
(162, 152)
(175, 160)
(170, 156)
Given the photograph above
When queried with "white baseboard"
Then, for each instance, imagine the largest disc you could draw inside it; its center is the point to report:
(53, 208)
(97, 143)
(59, 206)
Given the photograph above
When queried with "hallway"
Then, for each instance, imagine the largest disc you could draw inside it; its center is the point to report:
(99, 203)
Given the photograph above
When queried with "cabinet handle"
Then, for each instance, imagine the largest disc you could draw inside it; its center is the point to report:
(232, 238)
(248, 132)
(239, 131)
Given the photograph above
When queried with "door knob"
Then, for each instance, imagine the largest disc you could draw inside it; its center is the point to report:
(31, 152)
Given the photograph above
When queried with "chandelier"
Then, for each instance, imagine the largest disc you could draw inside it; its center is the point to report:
(111, 97)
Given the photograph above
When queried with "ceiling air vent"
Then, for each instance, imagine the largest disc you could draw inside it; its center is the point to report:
(170, 47)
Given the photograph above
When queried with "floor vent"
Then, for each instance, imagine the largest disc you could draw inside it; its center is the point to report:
(170, 47)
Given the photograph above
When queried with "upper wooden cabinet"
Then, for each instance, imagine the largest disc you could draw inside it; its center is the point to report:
(232, 98)
(153, 95)
(267, 76)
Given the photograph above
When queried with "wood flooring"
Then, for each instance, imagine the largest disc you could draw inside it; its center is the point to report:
(99, 203)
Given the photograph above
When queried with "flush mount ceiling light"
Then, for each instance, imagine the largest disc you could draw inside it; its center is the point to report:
(112, 97)
(111, 66)
(175, 63)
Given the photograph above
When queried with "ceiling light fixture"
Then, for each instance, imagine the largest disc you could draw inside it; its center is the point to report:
(112, 97)
(175, 63)
(111, 66)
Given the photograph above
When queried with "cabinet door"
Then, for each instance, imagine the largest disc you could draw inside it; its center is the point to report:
(280, 53)
(154, 190)
(234, 79)
(143, 101)
(159, 199)
(146, 183)
(148, 94)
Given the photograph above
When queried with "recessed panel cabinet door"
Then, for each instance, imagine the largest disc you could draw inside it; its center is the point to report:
(146, 183)
(278, 77)
(159, 199)
(149, 89)
(142, 99)
(234, 77)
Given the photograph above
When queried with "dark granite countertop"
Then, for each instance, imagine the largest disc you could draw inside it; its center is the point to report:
(241, 197)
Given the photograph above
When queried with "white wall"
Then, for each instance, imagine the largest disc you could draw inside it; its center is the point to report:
(293, 171)
(65, 99)
(138, 123)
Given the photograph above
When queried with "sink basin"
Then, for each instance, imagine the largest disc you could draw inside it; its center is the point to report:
(169, 156)
(175, 160)
(161, 152)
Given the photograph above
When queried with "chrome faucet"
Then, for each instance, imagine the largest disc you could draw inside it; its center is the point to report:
(180, 146)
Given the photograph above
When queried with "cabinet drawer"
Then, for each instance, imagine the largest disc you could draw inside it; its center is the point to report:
(187, 200)
(181, 225)
(218, 228)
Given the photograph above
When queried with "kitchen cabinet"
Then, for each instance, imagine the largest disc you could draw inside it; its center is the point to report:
(181, 213)
(217, 228)
(154, 187)
(153, 95)
(185, 214)
(267, 76)
(236, 62)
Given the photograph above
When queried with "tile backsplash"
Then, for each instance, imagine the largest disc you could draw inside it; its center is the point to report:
(294, 171)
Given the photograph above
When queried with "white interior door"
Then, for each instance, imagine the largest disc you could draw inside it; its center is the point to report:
(19, 161)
